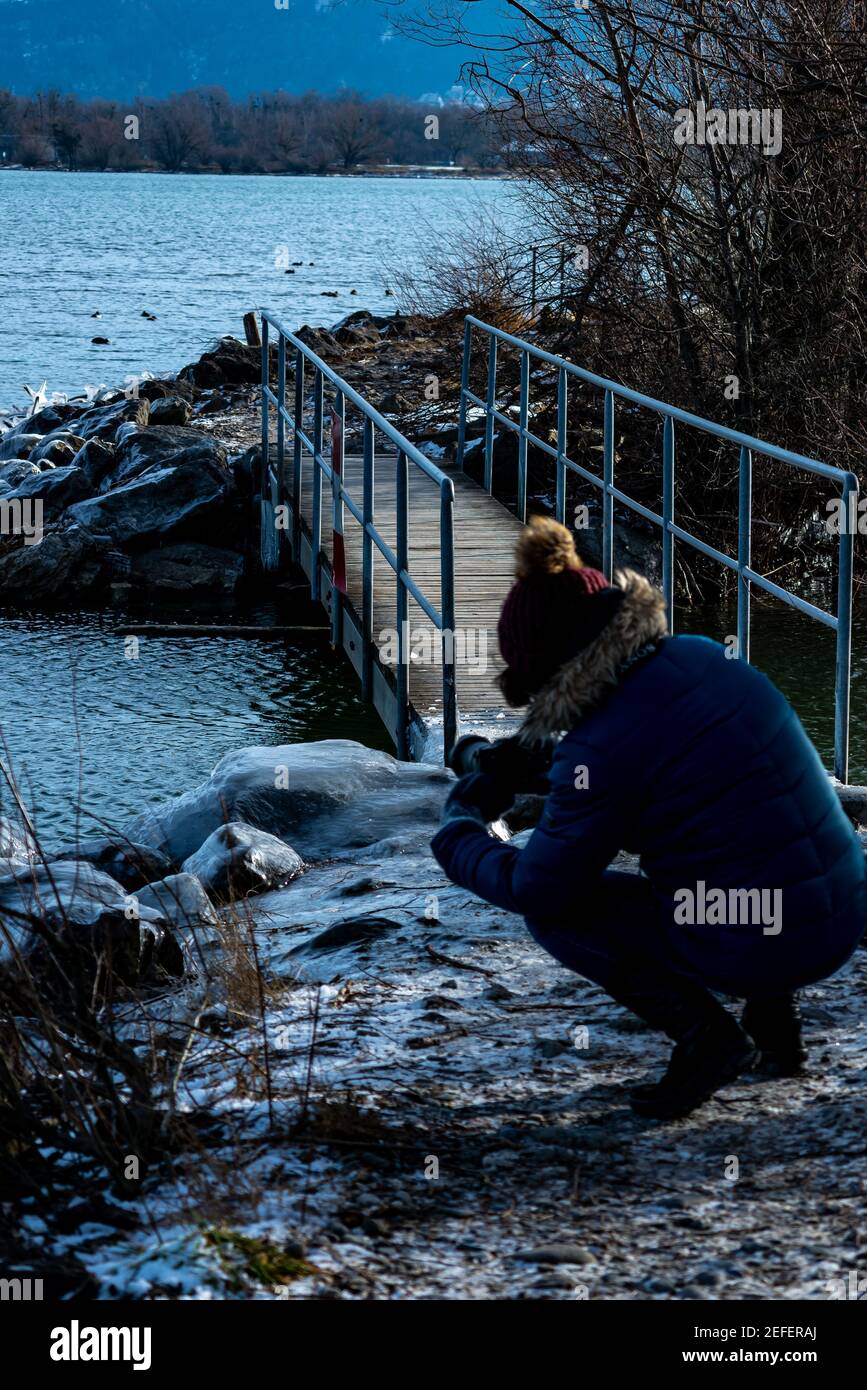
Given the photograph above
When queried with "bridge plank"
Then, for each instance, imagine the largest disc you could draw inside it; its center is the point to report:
(485, 534)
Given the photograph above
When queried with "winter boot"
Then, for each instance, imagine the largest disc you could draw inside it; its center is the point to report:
(710, 1050)
(775, 1027)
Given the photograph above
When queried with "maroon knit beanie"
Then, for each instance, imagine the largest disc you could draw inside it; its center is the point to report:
(555, 609)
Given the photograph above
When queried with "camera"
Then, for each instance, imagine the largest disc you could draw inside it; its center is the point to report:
(515, 766)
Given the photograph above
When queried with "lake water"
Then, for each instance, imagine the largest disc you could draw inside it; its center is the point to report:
(83, 724)
(198, 251)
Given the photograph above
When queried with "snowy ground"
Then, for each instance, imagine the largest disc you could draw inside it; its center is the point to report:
(442, 1125)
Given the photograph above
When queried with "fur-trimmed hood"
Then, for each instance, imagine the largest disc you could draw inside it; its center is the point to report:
(582, 682)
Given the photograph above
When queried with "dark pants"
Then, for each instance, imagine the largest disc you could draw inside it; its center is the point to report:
(621, 921)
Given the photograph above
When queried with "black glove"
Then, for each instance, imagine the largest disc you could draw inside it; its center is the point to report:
(479, 797)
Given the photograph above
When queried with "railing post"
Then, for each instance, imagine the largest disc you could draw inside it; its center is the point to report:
(844, 630)
(451, 725)
(338, 549)
(297, 456)
(523, 417)
(277, 486)
(607, 485)
(667, 518)
(491, 400)
(316, 528)
(264, 484)
(745, 521)
(402, 607)
(465, 386)
(561, 444)
(367, 564)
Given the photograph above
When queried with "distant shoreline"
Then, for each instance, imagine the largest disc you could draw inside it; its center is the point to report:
(394, 171)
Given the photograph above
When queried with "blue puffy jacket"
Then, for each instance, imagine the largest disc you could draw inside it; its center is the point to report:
(696, 763)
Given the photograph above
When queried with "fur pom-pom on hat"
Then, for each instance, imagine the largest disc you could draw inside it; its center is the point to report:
(545, 546)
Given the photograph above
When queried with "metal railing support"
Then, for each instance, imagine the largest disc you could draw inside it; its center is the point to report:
(316, 536)
(465, 386)
(745, 514)
(523, 416)
(489, 421)
(843, 655)
(297, 457)
(668, 518)
(607, 485)
(277, 481)
(560, 505)
(337, 518)
(451, 723)
(367, 563)
(402, 603)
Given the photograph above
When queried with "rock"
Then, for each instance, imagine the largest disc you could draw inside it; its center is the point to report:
(141, 449)
(238, 859)
(182, 901)
(325, 797)
(498, 994)
(552, 1047)
(853, 799)
(57, 489)
(172, 501)
(18, 446)
(58, 449)
(15, 472)
(95, 460)
(155, 389)
(320, 341)
(214, 404)
(170, 410)
(17, 846)
(68, 559)
(128, 864)
(189, 568)
(45, 421)
(395, 403)
(86, 914)
(555, 1254)
(101, 342)
(102, 421)
(351, 932)
(230, 362)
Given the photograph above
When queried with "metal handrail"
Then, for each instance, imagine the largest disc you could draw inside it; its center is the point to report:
(840, 623)
(327, 469)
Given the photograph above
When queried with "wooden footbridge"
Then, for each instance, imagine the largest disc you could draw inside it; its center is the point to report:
(413, 560)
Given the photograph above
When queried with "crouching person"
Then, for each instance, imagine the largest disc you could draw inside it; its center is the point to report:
(753, 880)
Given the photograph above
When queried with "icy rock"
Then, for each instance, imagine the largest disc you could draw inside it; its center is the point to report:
(182, 900)
(18, 446)
(87, 914)
(325, 798)
(238, 859)
(353, 931)
(127, 863)
(17, 471)
(16, 844)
